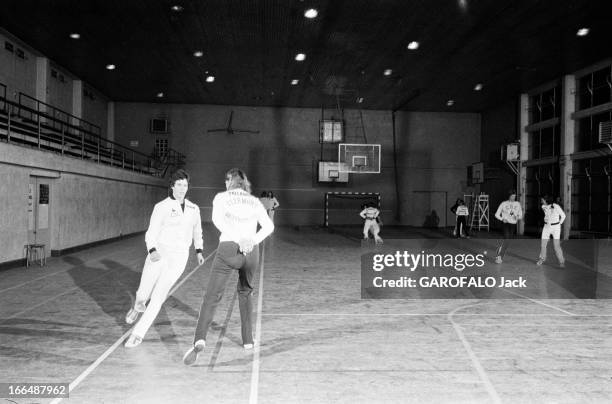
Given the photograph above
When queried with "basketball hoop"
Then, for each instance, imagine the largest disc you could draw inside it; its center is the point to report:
(359, 158)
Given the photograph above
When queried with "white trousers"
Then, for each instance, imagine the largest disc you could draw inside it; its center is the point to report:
(155, 282)
(371, 226)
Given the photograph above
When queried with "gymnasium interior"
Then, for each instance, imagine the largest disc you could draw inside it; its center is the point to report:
(332, 105)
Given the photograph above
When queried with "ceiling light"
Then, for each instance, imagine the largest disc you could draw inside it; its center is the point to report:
(478, 87)
(160, 95)
(294, 82)
(359, 100)
(176, 8)
(583, 32)
(75, 35)
(413, 45)
(300, 56)
(311, 13)
(450, 103)
(210, 79)
(388, 72)
(110, 67)
(198, 53)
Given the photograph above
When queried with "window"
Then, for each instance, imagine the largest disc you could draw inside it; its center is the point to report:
(331, 131)
(545, 105)
(587, 137)
(161, 147)
(595, 88)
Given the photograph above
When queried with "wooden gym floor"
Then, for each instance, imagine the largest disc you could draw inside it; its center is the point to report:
(319, 341)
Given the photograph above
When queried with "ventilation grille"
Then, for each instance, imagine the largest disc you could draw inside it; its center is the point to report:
(605, 132)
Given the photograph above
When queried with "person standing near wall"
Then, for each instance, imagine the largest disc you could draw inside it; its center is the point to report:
(462, 212)
(274, 205)
(509, 213)
(174, 224)
(553, 219)
(370, 224)
(236, 214)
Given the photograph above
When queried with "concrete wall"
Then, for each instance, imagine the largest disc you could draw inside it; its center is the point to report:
(433, 152)
(499, 126)
(19, 75)
(95, 109)
(89, 202)
(59, 88)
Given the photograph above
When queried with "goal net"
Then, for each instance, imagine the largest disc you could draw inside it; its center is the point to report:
(342, 208)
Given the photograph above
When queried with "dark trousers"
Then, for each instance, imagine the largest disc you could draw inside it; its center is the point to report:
(228, 259)
(461, 224)
(509, 230)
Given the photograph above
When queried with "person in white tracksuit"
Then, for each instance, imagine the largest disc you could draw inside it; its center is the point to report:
(174, 224)
(236, 213)
(370, 214)
(553, 219)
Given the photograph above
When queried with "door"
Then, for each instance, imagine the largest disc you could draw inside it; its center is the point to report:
(39, 212)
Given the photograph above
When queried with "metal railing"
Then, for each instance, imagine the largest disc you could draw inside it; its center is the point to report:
(39, 111)
(45, 127)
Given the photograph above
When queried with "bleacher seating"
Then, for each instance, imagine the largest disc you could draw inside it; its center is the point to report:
(32, 123)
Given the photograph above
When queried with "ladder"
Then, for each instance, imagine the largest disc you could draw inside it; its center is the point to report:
(480, 213)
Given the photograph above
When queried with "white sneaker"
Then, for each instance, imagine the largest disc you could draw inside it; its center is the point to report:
(140, 307)
(540, 262)
(191, 356)
(498, 260)
(249, 346)
(132, 315)
(133, 341)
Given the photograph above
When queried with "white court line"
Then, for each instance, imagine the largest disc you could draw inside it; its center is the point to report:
(431, 314)
(255, 371)
(539, 302)
(540, 324)
(481, 372)
(110, 350)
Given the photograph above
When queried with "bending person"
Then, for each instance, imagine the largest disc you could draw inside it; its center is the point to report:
(370, 224)
(175, 222)
(236, 214)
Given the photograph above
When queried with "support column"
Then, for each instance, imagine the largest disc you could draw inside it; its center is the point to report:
(568, 132)
(110, 121)
(42, 74)
(524, 139)
(77, 99)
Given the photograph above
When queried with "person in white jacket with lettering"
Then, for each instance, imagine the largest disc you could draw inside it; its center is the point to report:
(553, 219)
(174, 224)
(236, 214)
(509, 213)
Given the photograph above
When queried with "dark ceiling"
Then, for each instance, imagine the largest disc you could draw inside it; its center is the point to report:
(249, 46)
